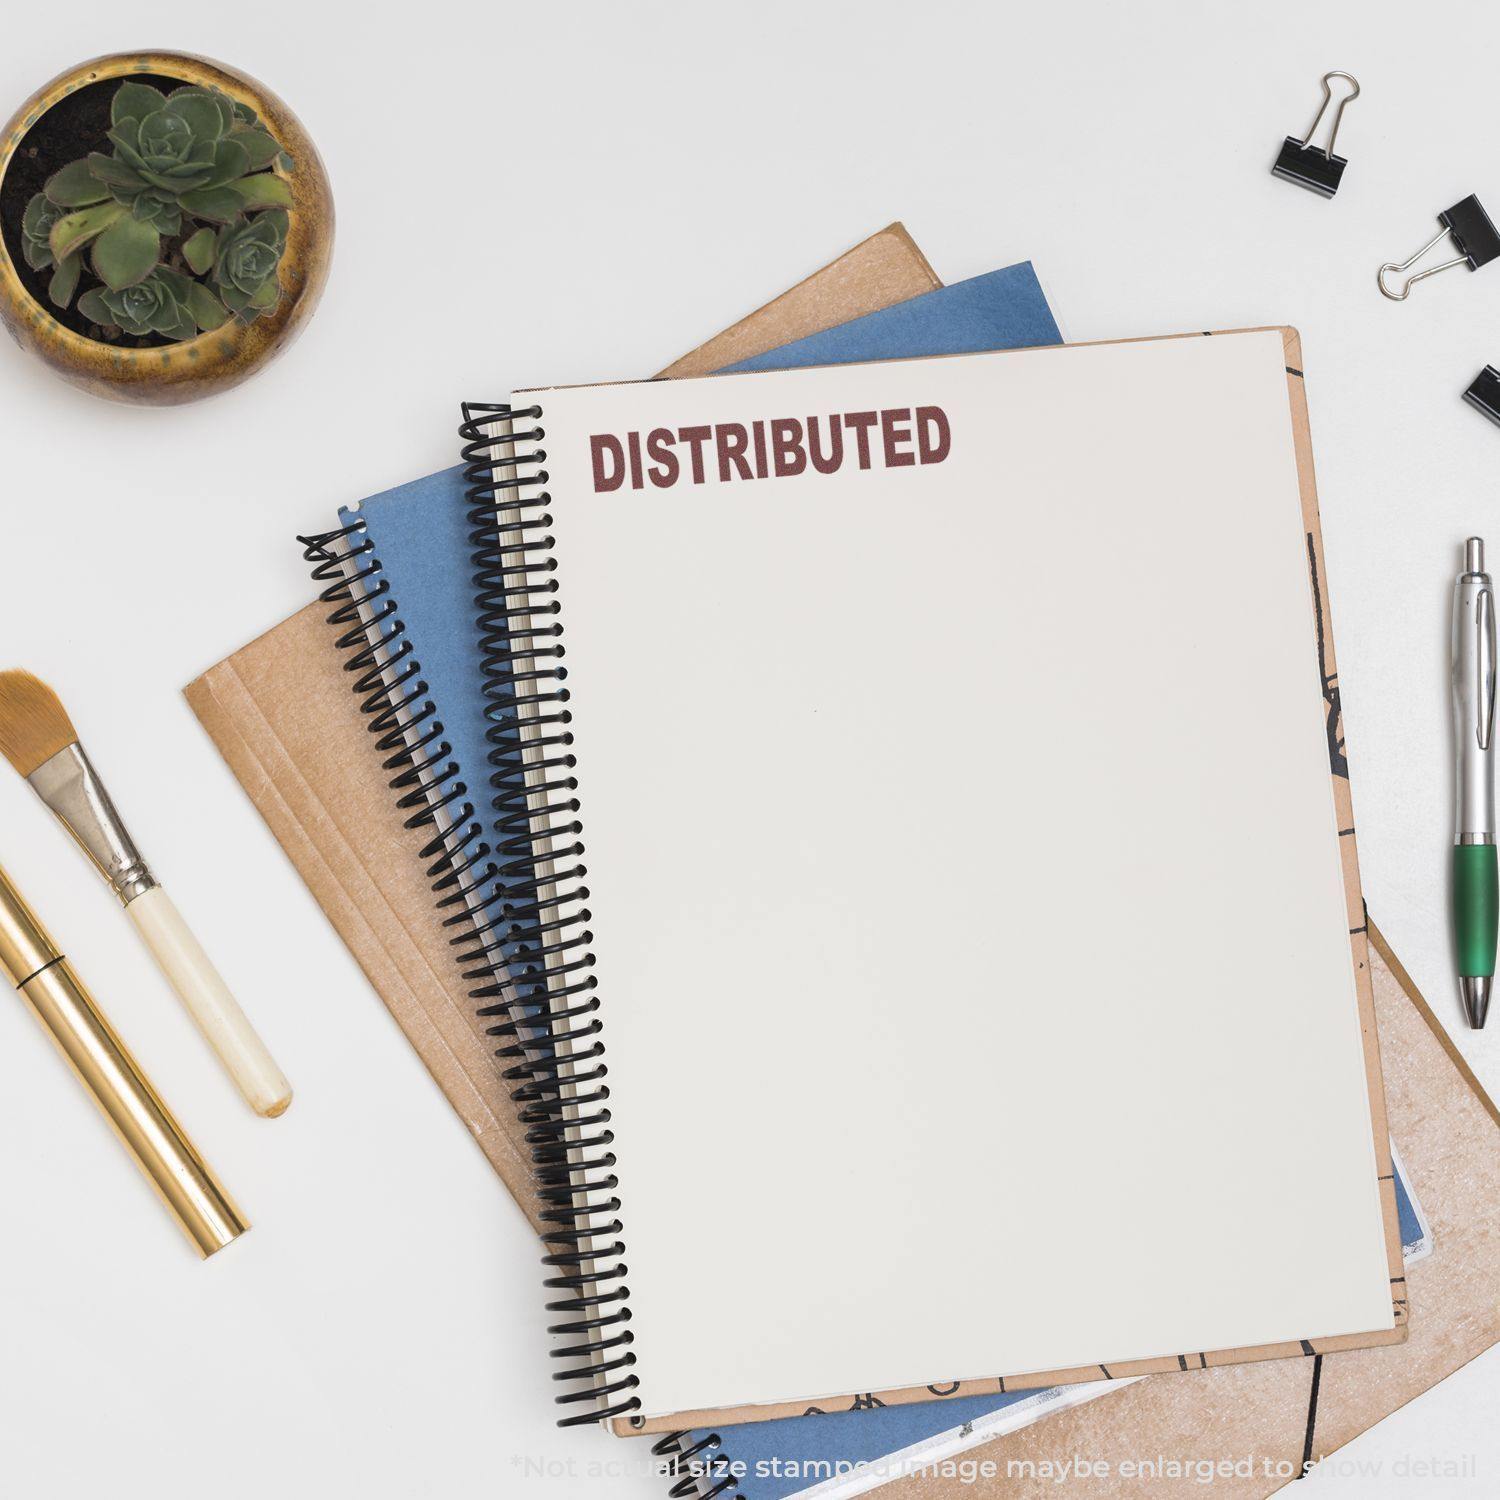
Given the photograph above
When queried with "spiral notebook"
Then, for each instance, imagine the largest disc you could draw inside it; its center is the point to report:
(998, 310)
(281, 713)
(960, 661)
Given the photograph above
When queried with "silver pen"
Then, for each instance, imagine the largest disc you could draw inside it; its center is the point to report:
(1476, 891)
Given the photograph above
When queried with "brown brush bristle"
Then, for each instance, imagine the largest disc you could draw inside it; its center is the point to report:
(34, 725)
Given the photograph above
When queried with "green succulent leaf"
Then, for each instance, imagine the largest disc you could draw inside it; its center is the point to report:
(244, 114)
(218, 204)
(114, 172)
(231, 160)
(267, 297)
(133, 101)
(181, 179)
(260, 146)
(75, 186)
(65, 280)
(93, 307)
(178, 324)
(265, 190)
(73, 231)
(208, 312)
(160, 210)
(222, 102)
(126, 141)
(188, 173)
(198, 251)
(287, 162)
(198, 110)
(126, 253)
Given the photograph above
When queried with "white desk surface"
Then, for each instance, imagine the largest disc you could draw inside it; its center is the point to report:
(528, 195)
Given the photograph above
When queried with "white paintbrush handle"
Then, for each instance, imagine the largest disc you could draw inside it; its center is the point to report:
(209, 1002)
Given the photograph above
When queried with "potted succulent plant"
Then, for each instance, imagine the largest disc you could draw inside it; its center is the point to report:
(166, 226)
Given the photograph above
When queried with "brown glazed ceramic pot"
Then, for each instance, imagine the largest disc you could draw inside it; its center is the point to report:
(170, 374)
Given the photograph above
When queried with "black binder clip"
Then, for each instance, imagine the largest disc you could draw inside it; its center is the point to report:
(1310, 166)
(1474, 236)
(1484, 394)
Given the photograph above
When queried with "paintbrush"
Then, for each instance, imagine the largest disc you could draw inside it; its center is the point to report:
(38, 739)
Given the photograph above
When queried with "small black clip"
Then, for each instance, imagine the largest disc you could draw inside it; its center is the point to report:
(1474, 237)
(1484, 394)
(1315, 167)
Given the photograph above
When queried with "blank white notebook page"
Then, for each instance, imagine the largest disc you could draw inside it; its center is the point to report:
(965, 881)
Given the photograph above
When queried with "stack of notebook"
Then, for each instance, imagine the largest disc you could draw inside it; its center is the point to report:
(830, 667)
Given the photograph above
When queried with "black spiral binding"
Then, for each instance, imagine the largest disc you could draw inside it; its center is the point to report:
(521, 936)
(706, 1478)
(392, 696)
(542, 912)
(525, 684)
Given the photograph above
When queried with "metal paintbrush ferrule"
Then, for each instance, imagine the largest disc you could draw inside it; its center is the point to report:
(71, 787)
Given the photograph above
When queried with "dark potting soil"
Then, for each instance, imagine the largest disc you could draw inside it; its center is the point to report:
(74, 126)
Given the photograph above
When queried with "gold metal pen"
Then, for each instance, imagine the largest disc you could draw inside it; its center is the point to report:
(172, 1165)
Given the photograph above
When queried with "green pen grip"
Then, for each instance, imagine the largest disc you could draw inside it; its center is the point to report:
(1476, 906)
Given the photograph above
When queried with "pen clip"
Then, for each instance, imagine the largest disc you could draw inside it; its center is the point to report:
(1484, 666)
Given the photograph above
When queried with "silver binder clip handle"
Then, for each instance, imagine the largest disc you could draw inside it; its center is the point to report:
(1338, 113)
(1410, 261)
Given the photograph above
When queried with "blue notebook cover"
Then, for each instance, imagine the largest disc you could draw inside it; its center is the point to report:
(1003, 309)
(419, 535)
(780, 1459)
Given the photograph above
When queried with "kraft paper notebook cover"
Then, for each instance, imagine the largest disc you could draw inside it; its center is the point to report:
(928, 662)
(282, 715)
(886, 268)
